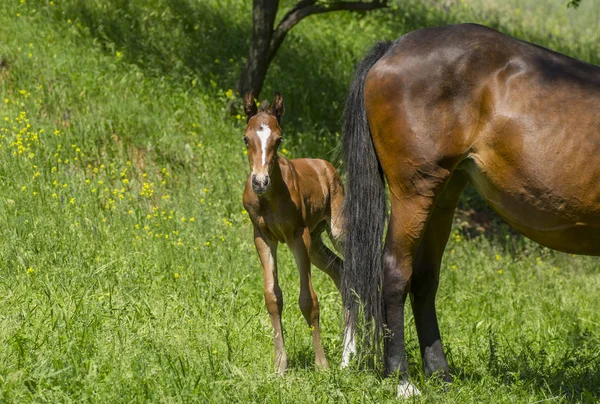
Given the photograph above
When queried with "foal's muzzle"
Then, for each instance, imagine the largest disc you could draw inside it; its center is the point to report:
(260, 183)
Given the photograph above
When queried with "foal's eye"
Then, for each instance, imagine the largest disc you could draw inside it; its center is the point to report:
(278, 141)
(246, 140)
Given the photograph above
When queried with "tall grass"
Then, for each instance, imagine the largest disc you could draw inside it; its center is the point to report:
(127, 270)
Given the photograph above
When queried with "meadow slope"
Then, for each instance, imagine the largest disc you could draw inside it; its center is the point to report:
(127, 268)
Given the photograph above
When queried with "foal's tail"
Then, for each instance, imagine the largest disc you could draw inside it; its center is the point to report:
(364, 215)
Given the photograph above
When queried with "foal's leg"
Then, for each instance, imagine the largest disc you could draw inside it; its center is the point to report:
(309, 304)
(425, 278)
(335, 231)
(267, 251)
(327, 261)
(336, 221)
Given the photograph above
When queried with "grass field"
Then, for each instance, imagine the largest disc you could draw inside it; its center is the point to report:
(127, 268)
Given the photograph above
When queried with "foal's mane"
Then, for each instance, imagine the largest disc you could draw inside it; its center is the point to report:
(275, 109)
(265, 107)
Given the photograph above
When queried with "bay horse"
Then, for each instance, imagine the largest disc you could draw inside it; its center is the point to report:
(432, 111)
(291, 202)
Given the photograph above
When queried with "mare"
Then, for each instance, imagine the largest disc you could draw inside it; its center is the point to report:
(291, 202)
(432, 111)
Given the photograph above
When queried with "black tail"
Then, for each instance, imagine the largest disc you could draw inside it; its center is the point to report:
(364, 214)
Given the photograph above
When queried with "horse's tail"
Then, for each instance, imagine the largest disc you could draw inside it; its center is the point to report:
(364, 215)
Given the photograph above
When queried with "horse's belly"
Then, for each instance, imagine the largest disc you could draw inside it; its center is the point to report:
(564, 221)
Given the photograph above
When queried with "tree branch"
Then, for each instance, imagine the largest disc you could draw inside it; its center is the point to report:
(304, 8)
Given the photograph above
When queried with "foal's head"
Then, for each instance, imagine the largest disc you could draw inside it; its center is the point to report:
(262, 137)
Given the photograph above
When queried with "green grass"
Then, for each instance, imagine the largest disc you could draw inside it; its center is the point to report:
(127, 269)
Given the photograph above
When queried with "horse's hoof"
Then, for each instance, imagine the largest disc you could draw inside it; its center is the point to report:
(349, 347)
(347, 357)
(447, 377)
(406, 389)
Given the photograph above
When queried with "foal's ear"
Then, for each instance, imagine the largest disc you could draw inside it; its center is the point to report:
(277, 108)
(250, 107)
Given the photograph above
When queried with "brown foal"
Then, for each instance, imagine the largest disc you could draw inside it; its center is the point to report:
(291, 202)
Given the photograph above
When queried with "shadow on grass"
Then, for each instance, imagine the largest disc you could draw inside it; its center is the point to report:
(572, 373)
(173, 38)
(194, 42)
(301, 359)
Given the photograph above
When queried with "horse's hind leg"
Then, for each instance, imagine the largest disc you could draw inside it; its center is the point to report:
(309, 304)
(425, 278)
(413, 196)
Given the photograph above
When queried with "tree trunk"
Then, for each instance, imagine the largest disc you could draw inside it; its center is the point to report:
(266, 40)
(255, 70)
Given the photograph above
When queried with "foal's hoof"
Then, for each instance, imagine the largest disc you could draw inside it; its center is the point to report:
(406, 389)
(281, 365)
(322, 365)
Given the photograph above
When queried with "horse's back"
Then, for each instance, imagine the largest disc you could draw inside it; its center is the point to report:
(522, 121)
(318, 178)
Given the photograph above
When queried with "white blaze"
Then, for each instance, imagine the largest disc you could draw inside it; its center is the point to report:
(263, 134)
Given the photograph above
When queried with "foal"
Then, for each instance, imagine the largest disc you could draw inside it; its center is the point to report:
(291, 202)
